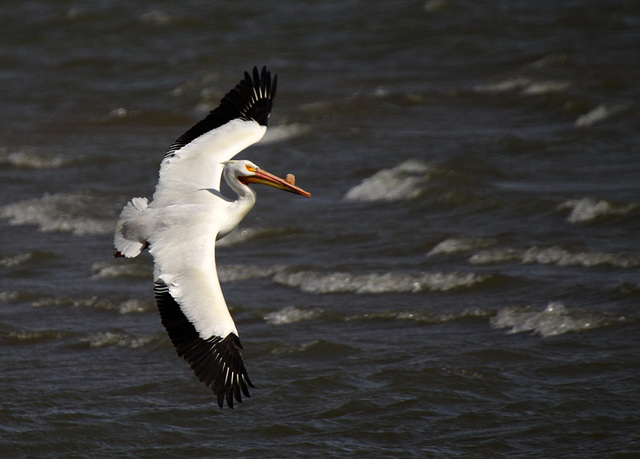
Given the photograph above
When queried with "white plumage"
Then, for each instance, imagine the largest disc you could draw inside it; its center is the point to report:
(186, 216)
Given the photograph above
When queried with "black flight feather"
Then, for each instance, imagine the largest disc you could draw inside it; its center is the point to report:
(251, 99)
(216, 361)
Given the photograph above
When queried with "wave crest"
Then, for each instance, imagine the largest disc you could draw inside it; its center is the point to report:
(69, 213)
(29, 160)
(554, 255)
(118, 339)
(290, 315)
(375, 283)
(401, 183)
(589, 209)
(555, 319)
(459, 244)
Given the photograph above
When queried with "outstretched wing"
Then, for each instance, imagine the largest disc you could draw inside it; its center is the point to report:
(216, 361)
(193, 309)
(196, 159)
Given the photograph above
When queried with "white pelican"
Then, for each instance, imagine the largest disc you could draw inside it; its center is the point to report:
(184, 219)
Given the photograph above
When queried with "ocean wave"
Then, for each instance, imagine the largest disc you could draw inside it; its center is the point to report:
(523, 85)
(405, 181)
(120, 268)
(305, 281)
(597, 115)
(10, 295)
(156, 18)
(590, 209)
(555, 319)
(35, 256)
(291, 314)
(241, 235)
(36, 336)
(237, 273)
(554, 255)
(226, 273)
(118, 339)
(62, 212)
(9, 261)
(126, 307)
(30, 160)
(421, 316)
(284, 132)
(375, 283)
(460, 244)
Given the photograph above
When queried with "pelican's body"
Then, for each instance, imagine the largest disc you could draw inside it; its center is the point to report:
(186, 216)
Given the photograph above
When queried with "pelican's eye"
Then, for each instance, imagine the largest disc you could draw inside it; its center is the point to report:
(251, 168)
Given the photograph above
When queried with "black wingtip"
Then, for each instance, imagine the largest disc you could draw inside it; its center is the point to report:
(250, 99)
(216, 361)
(253, 96)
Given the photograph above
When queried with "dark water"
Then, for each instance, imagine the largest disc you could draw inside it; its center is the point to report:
(463, 282)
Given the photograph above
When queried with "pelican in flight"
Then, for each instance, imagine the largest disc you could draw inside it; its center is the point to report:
(185, 218)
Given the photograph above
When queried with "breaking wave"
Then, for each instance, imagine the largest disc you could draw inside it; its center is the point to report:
(237, 273)
(374, 283)
(598, 114)
(71, 213)
(9, 261)
(320, 282)
(36, 336)
(460, 244)
(524, 85)
(406, 181)
(589, 209)
(30, 160)
(118, 339)
(120, 268)
(126, 307)
(241, 235)
(283, 132)
(290, 315)
(421, 316)
(554, 256)
(555, 319)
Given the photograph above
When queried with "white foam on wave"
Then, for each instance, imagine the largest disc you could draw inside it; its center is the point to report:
(241, 235)
(61, 212)
(120, 268)
(290, 315)
(284, 132)
(405, 181)
(523, 85)
(433, 6)
(597, 115)
(37, 335)
(237, 273)
(554, 255)
(555, 319)
(9, 295)
(375, 283)
(119, 339)
(30, 160)
(9, 261)
(156, 18)
(590, 209)
(422, 316)
(459, 244)
(126, 307)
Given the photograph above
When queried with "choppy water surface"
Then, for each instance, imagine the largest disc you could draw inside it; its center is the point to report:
(464, 280)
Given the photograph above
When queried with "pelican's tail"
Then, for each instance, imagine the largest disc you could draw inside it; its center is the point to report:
(130, 238)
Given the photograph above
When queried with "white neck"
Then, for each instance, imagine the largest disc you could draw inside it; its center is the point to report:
(239, 208)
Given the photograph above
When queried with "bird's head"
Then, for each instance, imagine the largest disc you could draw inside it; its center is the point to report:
(247, 172)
